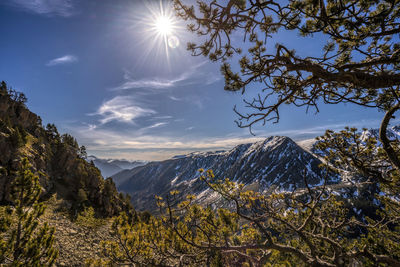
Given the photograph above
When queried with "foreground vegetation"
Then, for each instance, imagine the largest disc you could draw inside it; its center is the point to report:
(315, 226)
(37, 166)
(359, 64)
(22, 241)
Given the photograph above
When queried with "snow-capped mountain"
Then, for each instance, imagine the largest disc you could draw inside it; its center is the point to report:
(277, 162)
(109, 167)
(392, 133)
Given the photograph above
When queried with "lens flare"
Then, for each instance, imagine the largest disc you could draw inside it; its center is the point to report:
(173, 41)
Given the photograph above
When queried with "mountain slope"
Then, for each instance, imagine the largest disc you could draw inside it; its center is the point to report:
(392, 133)
(276, 162)
(56, 158)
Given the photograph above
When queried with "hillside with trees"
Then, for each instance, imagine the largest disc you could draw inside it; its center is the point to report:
(56, 158)
(39, 168)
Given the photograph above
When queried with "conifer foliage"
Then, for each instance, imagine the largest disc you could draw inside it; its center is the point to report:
(313, 226)
(23, 241)
(58, 156)
(357, 61)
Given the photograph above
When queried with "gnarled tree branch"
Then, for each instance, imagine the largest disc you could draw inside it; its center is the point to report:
(391, 153)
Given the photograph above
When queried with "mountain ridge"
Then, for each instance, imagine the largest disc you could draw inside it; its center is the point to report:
(276, 162)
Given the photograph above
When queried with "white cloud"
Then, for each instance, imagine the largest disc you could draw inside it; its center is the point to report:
(63, 8)
(314, 131)
(118, 141)
(191, 76)
(92, 126)
(156, 145)
(174, 98)
(113, 144)
(158, 124)
(151, 83)
(122, 109)
(162, 117)
(62, 60)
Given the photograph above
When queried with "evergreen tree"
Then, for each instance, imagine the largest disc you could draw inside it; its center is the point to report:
(52, 132)
(359, 64)
(16, 138)
(24, 242)
(82, 152)
(3, 88)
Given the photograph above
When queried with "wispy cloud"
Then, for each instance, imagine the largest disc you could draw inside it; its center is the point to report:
(150, 83)
(122, 109)
(152, 144)
(139, 145)
(91, 127)
(67, 59)
(191, 76)
(162, 117)
(158, 124)
(174, 98)
(314, 131)
(63, 8)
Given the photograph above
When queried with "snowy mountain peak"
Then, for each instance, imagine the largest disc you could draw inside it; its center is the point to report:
(274, 162)
(392, 133)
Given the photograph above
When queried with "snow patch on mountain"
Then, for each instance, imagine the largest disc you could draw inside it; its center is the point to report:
(275, 162)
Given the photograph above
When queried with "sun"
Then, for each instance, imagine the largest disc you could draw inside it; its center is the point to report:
(160, 27)
(163, 25)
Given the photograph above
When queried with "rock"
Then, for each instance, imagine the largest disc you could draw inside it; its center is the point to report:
(72, 231)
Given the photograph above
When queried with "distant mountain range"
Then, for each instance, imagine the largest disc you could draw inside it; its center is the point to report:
(275, 163)
(109, 167)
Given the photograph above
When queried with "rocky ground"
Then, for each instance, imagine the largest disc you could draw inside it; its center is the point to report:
(76, 241)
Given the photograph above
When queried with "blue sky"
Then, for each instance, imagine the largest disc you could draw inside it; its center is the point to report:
(98, 70)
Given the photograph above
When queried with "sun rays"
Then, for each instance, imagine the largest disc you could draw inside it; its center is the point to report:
(154, 29)
(160, 30)
(163, 25)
